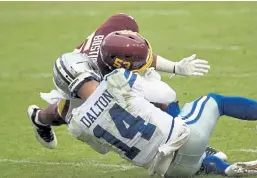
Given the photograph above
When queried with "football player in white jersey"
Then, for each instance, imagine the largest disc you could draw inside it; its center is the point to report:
(117, 115)
(116, 43)
(112, 49)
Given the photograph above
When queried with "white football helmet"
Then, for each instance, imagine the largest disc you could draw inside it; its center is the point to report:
(71, 70)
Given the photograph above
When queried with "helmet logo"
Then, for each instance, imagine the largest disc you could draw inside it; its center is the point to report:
(119, 63)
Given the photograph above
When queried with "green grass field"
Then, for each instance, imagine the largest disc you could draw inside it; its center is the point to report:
(34, 34)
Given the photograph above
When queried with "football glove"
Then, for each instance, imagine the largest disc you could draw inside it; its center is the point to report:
(191, 66)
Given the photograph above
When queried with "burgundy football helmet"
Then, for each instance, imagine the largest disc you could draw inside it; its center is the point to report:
(126, 49)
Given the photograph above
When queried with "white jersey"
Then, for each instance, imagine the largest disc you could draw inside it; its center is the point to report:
(119, 117)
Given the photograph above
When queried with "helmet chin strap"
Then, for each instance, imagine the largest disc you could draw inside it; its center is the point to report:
(78, 82)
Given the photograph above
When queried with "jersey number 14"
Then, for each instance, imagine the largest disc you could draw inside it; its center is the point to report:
(135, 125)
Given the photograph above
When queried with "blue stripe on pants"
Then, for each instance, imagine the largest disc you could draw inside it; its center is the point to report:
(193, 109)
(200, 112)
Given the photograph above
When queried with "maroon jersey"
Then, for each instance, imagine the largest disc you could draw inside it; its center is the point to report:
(93, 42)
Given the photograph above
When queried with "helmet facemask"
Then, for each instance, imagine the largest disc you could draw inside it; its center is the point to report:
(71, 70)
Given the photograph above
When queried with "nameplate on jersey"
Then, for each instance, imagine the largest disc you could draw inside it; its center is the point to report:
(95, 47)
(95, 111)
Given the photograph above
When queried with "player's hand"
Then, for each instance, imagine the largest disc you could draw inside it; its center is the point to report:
(192, 66)
(151, 74)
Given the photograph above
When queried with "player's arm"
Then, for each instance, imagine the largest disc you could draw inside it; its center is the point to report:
(186, 67)
(154, 89)
(151, 86)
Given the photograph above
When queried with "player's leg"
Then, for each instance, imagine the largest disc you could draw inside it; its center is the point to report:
(50, 116)
(237, 107)
(173, 109)
(215, 165)
(241, 169)
(215, 152)
(42, 119)
(201, 116)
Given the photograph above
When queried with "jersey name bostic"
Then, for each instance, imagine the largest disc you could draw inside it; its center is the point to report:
(95, 111)
(95, 47)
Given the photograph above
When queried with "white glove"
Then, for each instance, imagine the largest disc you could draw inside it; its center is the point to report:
(151, 74)
(53, 97)
(191, 66)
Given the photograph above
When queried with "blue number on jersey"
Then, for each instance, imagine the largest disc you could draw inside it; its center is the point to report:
(135, 125)
(130, 152)
(120, 115)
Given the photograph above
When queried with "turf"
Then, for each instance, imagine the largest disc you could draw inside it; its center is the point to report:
(34, 34)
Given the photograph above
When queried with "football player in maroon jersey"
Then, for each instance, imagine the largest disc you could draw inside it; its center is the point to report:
(115, 44)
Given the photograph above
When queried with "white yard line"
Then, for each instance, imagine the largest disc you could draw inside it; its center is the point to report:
(243, 75)
(26, 76)
(236, 75)
(246, 150)
(147, 12)
(153, 12)
(90, 12)
(163, 74)
(234, 11)
(112, 167)
(216, 47)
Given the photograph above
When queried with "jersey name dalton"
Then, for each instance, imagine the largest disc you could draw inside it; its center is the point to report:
(96, 110)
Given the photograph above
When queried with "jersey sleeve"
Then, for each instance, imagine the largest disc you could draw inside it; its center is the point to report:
(155, 91)
(152, 90)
